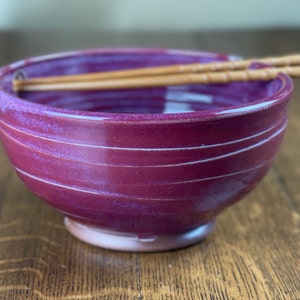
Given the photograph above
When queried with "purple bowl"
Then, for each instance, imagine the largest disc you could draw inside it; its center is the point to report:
(140, 169)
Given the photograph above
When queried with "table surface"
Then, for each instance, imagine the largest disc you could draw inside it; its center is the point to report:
(252, 254)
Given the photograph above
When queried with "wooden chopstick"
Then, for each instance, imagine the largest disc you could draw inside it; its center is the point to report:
(216, 72)
(167, 80)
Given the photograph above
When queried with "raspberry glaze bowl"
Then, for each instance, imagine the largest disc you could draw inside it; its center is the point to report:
(140, 169)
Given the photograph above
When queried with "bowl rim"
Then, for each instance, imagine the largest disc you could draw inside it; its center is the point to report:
(281, 95)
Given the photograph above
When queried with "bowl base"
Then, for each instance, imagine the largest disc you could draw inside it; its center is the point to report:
(123, 241)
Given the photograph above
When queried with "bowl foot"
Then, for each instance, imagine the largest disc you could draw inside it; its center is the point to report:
(123, 241)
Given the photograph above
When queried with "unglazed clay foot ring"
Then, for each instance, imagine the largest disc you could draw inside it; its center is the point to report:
(122, 241)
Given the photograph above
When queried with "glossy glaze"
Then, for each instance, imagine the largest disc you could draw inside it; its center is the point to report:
(159, 161)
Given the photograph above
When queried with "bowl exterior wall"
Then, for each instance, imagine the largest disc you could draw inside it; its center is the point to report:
(170, 186)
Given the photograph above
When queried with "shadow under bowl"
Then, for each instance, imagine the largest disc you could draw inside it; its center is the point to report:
(141, 169)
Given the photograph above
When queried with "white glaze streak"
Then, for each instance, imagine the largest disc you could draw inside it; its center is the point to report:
(137, 149)
(110, 194)
(230, 154)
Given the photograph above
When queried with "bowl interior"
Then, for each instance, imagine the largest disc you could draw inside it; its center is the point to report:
(172, 99)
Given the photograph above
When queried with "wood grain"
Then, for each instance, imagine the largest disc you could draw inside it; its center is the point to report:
(253, 253)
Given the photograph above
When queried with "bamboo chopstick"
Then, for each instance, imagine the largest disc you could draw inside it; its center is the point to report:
(216, 72)
(155, 81)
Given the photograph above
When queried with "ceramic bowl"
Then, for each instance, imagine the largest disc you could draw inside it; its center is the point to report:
(140, 169)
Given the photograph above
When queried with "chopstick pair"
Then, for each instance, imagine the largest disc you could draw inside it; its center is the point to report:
(195, 73)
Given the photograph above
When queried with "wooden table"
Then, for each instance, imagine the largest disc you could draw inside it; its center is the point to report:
(254, 253)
